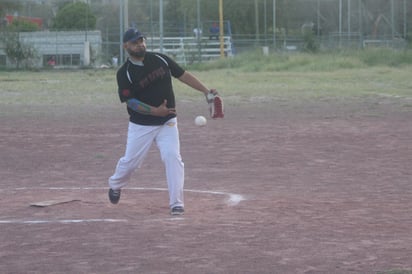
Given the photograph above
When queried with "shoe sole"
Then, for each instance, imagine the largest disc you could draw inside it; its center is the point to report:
(114, 200)
(177, 213)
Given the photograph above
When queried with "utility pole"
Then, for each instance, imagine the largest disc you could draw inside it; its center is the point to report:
(318, 18)
(121, 30)
(340, 23)
(274, 24)
(86, 50)
(257, 21)
(87, 20)
(393, 19)
(404, 20)
(349, 17)
(198, 32)
(123, 24)
(360, 24)
(221, 30)
(151, 24)
(161, 25)
(126, 14)
(265, 26)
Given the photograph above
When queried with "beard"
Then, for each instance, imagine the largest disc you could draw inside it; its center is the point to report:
(138, 54)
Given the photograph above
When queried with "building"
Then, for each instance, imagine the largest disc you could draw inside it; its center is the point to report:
(61, 48)
(38, 21)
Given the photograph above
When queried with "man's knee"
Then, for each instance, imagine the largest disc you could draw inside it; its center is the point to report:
(170, 155)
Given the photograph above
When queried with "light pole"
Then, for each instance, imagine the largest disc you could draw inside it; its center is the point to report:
(340, 23)
(86, 50)
(404, 20)
(257, 21)
(393, 19)
(318, 18)
(265, 25)
(87, 19)
(349, 18)
(123, 23)
(161, 25)
(121, 30)
(360, 23)
(151, 23)
(221, 31)
(274, 24)
(198, 31)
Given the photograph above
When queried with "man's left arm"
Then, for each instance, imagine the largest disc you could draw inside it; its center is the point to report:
(212, 97)
(191, 80)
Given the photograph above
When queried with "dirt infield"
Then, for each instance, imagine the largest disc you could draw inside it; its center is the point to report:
(287, 187)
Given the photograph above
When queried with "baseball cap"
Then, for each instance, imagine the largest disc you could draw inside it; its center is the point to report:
(132, 35)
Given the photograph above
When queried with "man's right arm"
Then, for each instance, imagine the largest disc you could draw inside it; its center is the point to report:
(146, 109)
(139, 106)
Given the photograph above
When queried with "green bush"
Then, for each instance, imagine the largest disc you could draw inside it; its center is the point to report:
(21, 25)
(310, 45)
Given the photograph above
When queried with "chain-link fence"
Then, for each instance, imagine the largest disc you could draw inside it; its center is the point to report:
(290, 25)
(312, 24)
(331, 24)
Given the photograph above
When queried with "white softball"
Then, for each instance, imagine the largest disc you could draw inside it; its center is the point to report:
(200, 121)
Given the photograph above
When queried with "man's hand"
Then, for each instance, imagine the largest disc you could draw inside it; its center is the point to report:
(215, 103)
(162, 110)
(210, 95)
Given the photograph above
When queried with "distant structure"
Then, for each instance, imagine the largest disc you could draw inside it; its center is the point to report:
(38, 21)
(66, 48)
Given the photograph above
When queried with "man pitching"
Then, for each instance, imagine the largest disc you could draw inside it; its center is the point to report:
(145, 85)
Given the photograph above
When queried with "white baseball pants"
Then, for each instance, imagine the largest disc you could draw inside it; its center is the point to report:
(139, 140)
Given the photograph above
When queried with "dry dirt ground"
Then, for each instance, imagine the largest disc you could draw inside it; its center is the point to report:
(282, 187)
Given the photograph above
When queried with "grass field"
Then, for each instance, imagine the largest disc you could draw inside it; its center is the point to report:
(236, 84)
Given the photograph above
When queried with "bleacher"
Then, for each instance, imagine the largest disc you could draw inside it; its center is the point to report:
(187, 50)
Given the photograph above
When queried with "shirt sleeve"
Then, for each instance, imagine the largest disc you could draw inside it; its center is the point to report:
(175, 69)
(124, 87)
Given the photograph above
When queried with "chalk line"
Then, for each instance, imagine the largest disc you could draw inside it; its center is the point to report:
(232, 200)
(63, 221)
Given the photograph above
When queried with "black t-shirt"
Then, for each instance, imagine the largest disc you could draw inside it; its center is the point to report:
(150, 83)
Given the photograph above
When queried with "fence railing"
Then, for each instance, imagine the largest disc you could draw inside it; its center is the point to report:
(187, 50)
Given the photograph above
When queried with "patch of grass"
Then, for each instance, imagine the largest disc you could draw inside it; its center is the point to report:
(58, 87)
(330, 76)
(385, 57)
(255, 61)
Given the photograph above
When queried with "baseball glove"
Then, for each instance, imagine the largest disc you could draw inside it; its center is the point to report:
(215, 104)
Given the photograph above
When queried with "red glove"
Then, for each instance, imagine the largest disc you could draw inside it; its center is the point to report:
(215, 104)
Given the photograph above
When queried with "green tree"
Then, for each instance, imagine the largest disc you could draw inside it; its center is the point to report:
(18, 52)
(75, 16)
